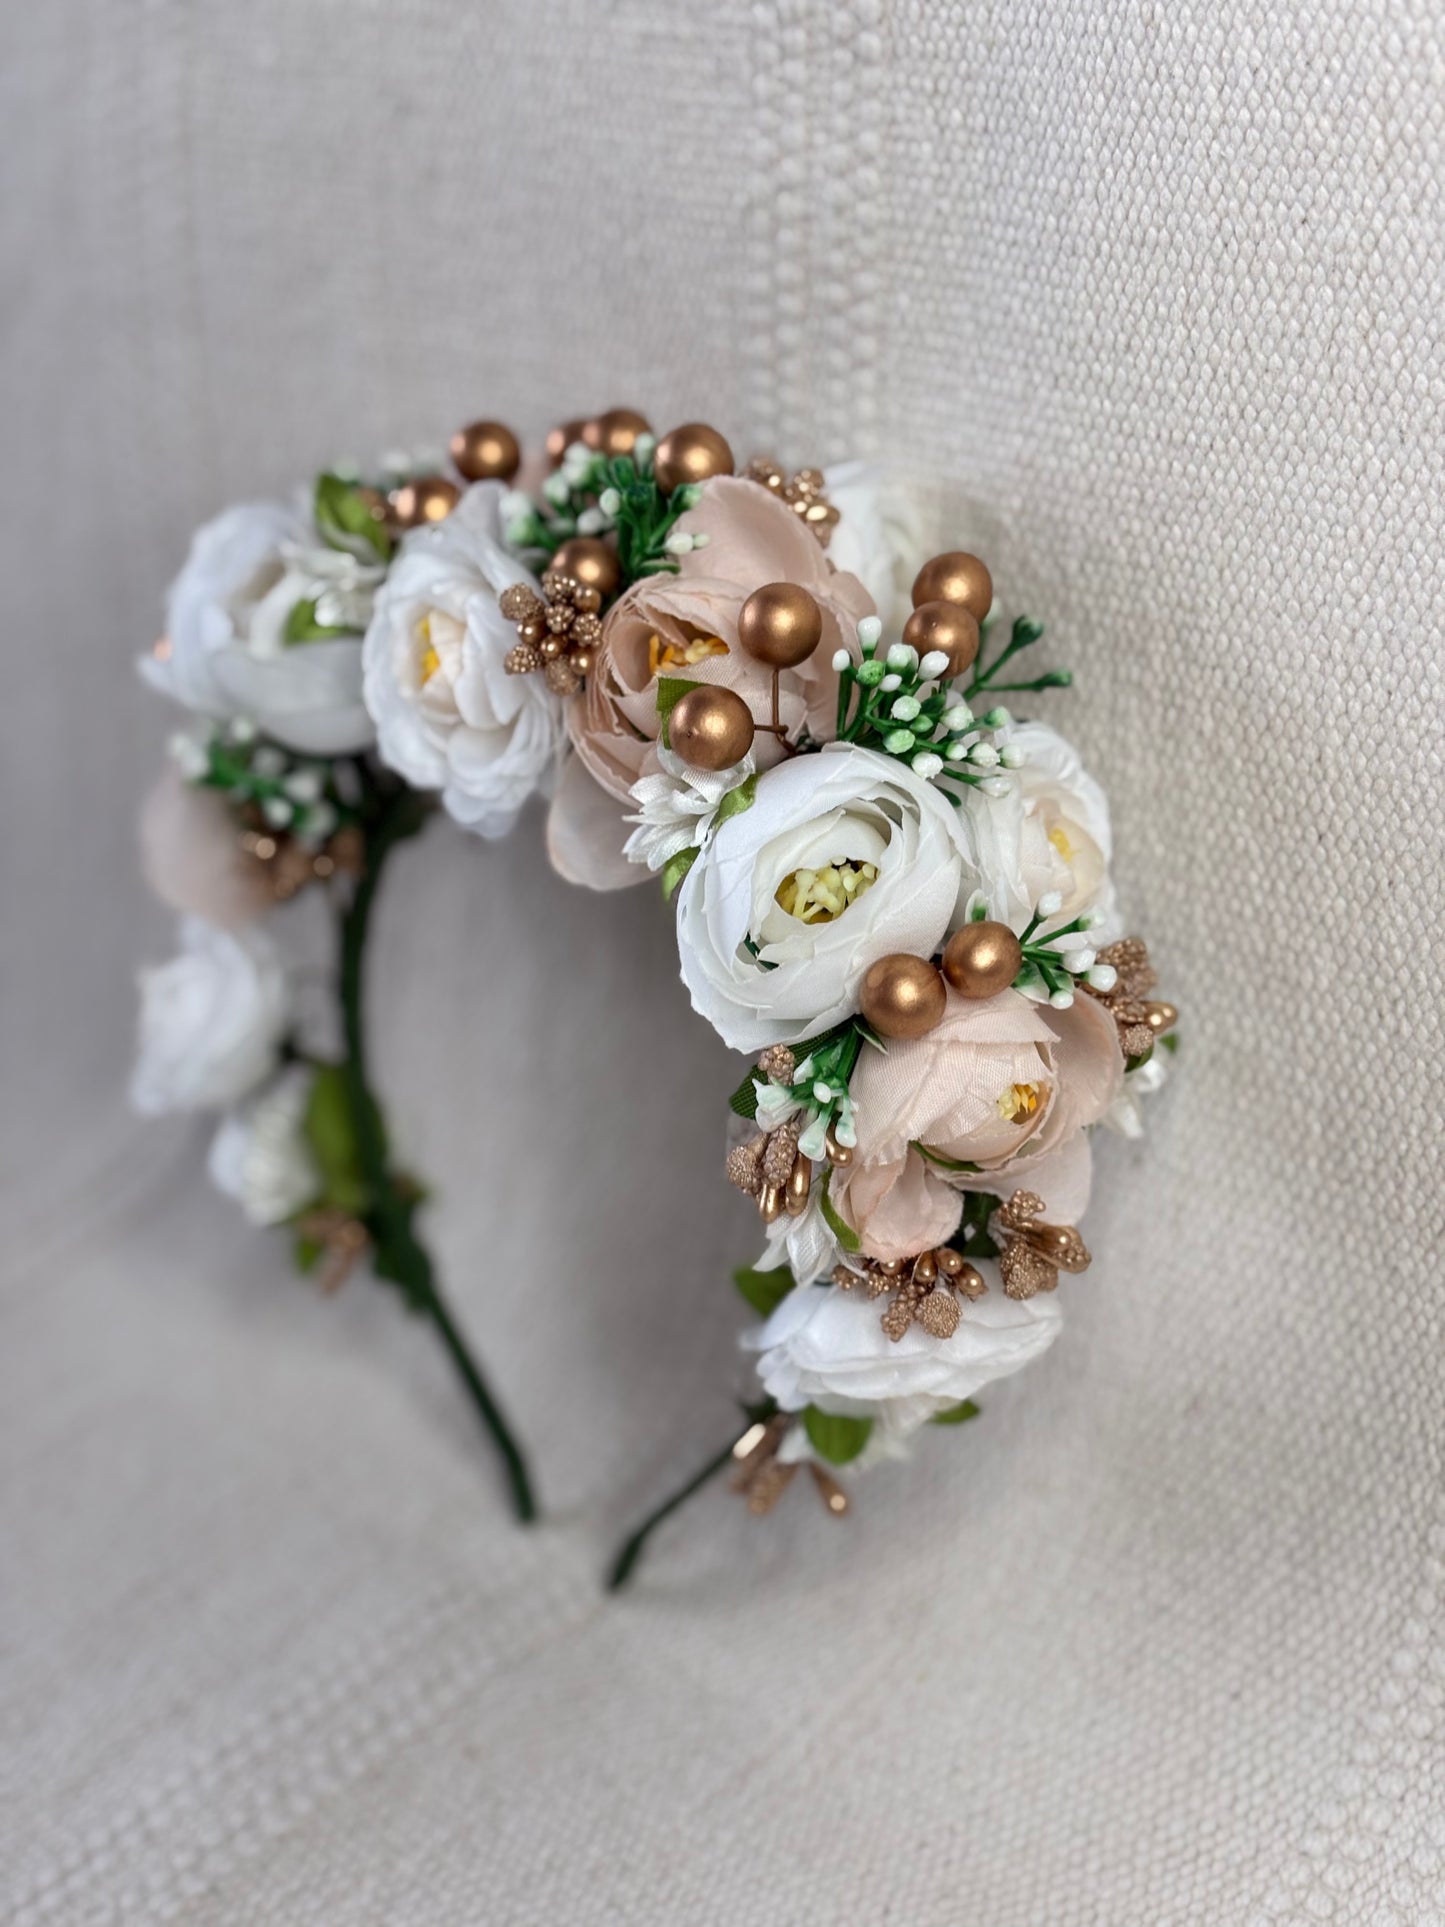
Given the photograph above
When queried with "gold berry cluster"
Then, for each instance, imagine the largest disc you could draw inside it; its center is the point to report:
(804, 493)
(922, 1290)
(557, 631)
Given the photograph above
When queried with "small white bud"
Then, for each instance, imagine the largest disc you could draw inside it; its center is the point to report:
(984, 755)
(891, 682)
(690, 494)
(679, 543)
(591, 521)
(701, 541)
(902, 656)
(814, 1141)
(1076, 962)
(842, 660)
(304, 786)
(997, 719)
(956, 752)
(557, 488)
(823, 1093)
(933, 665)
(1049, 904)
(189, 756)
(642, 449)
(958, 719)
(804, 1071)
(1012, 757)
(1061, 999)
(927, 764)
(904, 709)
(269, 761)
(241, 729)
(996, 786)
(277, 812)
(869, 630)
(1091, 919)
(609, 501)
(897, 741)
(1102, 977)
(516, 506)
(321, 821)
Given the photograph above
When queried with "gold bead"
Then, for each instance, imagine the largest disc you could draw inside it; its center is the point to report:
(770, 1203)
(561, 438)
(982, 959)
(1160, 1017)
(581, 660)
(950, 1262)
(925, 1269)
(486, 452)
(710, 728)
(947, 626)
(800, 1183)
(590, 561)
(430, 498)
(903, 996)
(691, 453)
(616, 432)
(955, 577)
(780, 624)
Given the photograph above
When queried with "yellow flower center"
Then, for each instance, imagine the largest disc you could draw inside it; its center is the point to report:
(671, 655)
(1059, 837)
(821, 896)
(428, 662)
(1019, 1101)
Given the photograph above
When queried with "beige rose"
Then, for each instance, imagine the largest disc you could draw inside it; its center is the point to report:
(1004, 1084)
(686, 625)
(192, 858)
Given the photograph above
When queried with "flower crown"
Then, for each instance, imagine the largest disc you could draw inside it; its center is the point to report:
(891, 892)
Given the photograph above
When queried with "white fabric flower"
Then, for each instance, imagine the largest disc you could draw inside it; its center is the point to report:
(211, 1020)
(677, 806)
(448, 715)
(825, 1346)
(761, 975)
(260, 1155)
(805, 1244)
(881, 536)
(225, 653)
(1126, 1114)
(1065, 843)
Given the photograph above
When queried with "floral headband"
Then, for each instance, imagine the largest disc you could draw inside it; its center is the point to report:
(892, 894)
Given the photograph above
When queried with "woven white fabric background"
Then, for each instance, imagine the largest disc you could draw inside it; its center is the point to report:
(1156, 293)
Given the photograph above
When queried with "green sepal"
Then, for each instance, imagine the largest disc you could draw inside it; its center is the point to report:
(302, 626)
(834, 1436)
(1133, 1063)
(840, 1228)
(737, 800)
(937, 1157)
(344, 520)
(670, 692)
(1170, 1041)
(675, 869)
(956, 1414)
(764, 1290)
(330, 1132)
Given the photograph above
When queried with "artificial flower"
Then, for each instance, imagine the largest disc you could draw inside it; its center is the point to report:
(230, 613)
(211, 1020)
(192, 857)
(1065, 842)
(448, 714)
(261, 1157)
(843, 858)
(824, 1346)
(881, 535)
(685, 625)
(1126, 1114)
(999, 1086)
(677, 806)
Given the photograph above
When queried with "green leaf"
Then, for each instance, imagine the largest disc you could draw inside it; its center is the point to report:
(737, 800)
(1133, 1063)
(675, 869)
(302, 626)
(1170, 1041)
(307, 1253)
(937, 1157)
(840, 1228)
(972, 1236)
(835, 1437)
(744, 1100)
(764, 1290)
(330, 1131)
(344, 520)
(670, 692)
(956, 1414)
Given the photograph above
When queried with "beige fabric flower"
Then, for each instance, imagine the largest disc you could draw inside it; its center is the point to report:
(1004, 1084)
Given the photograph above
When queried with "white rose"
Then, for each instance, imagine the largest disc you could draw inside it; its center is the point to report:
(762, 975)
(824, 1346)
(260, 1155)
(882, 536)
(448, 715)
(1126, 1114)
(225, 653)
(1066, 843)
(211, 1021)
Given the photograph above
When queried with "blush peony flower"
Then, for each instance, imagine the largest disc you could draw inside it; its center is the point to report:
(211, 1021)
(824, 1346)
(448, 715)
(260, 1155)
(686, 625)
(1003, 1084)
(843, 857)
(225, 651)
(192, 858)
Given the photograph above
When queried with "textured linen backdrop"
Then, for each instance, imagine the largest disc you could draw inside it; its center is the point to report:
(1156, 292)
